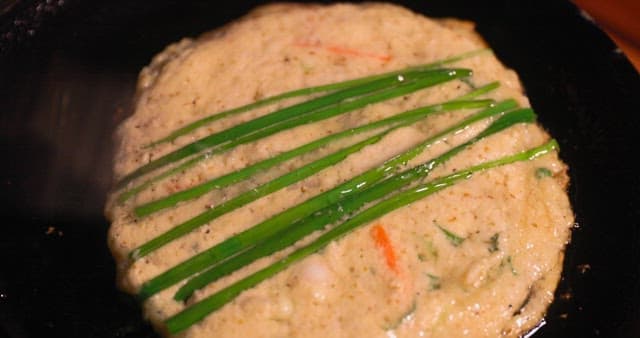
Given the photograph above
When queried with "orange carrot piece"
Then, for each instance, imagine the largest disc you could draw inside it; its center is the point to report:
(355, 52)
(382, 241)
(344, 51)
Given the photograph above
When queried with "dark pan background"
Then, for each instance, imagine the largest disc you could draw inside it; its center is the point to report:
(67, 72)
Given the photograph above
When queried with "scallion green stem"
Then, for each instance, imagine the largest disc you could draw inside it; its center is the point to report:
(288, 234)
(244, 173)
(308, 91)
(479, 91)
(407, 86)
(198, 311)
(255, 234)
(252, 195)
(375, 91)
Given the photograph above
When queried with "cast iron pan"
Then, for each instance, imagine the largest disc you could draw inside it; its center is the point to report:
(67, 73)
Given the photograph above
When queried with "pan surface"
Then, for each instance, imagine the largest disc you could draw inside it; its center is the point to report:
(67, 74)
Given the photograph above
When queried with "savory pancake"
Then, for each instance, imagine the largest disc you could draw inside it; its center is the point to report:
(479, 258)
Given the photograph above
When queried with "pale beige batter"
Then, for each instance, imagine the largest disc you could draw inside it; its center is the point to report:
(515, 224)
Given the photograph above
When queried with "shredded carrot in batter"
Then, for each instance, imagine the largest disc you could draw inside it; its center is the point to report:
(344, 51)
(382, 241)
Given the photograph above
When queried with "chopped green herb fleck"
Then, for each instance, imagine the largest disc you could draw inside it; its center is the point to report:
(494, 242)
(433, 251)
(429, 252)
(543, 172)
(434, 282)
(453, 238)
(204, 307)
(509, 262)
(404, 316)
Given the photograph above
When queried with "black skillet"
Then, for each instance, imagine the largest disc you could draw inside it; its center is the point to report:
(67, 73)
